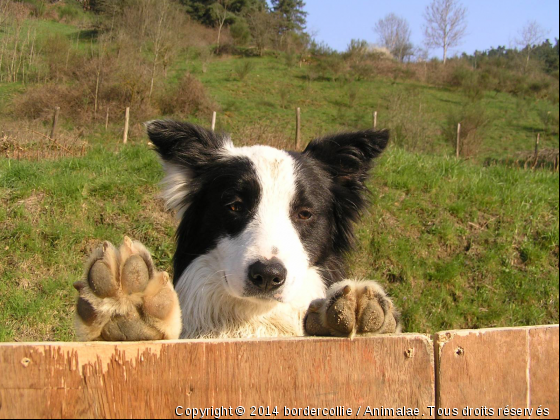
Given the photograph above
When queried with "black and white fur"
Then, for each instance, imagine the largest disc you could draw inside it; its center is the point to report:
(246, 207)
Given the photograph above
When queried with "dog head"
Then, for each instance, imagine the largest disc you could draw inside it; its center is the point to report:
(275, 221)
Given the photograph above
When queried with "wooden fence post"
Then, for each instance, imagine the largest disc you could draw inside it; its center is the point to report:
(374, 120)
(458, 139)
(537, 141)
(214, 121)
(55, 122)
(298, 128)
(107, 119)
(126, 116)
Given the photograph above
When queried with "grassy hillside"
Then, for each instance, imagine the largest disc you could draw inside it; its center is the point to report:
(271, 91)
(458, 243)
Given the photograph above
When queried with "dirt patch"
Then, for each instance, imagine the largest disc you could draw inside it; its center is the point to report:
(32, 204)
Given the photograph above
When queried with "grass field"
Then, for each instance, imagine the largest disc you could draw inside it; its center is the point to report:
(457, 243)
(271, 91)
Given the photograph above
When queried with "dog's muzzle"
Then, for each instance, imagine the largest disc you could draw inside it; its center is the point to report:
(266, 277)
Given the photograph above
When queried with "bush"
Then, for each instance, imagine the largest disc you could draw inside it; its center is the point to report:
(549, 119)
(120, 82)
(352, 95)
(290, 58)
(539, 87)
(38, 102)
(240, 32)
(243, 68)
(410, 126)
(38, 7)
(459, 76)
(69, 12)
(474, 121)
(188, 98)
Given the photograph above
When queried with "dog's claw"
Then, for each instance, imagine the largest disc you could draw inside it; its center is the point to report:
(79, 285)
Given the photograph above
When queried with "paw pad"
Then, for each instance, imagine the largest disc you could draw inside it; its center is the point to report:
(352, 308)
(124, 298)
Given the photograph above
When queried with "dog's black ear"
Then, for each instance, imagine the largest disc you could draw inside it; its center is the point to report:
(187, 151)
(348, 157)
(185, 144)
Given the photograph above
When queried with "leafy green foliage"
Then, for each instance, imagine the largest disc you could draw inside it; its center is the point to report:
(204, 10)
(293, 14)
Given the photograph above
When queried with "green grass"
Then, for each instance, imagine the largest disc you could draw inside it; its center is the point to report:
(53, 214)
(270, 93)
(460, 246)
(457, 245)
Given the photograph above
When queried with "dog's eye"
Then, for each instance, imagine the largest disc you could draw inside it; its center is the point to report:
(236, 207)
(305, 215)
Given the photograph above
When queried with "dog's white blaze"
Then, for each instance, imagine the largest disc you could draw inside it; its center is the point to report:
(272, 227)
(211, 289)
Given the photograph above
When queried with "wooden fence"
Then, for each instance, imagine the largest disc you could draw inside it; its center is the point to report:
(505, 372)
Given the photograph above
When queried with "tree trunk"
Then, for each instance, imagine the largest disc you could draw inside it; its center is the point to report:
(96, 92)
(222, 23)
(156, 53)
(219, 35)
(528, 57)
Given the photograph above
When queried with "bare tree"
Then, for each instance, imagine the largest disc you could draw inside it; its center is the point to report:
(394, 34)
(446, 24)
(4, 7)
(529, 36)
(221, 9)
(157, 41)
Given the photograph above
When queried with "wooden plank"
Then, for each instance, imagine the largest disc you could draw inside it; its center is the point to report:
(108, 380)
(489, 370)
(543, 369)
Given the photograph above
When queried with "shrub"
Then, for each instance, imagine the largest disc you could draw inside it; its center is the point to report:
(240, 32)
(549, 119)
(352, 95)
(69, 12)
(474, 121)
(263, 133)
(539, 87)
(243, 68)
(362, 71)
(459, 76)
(120, 82)
(285, 96)
(37, 7)
(188, 98)
(205, 56)
(410, 126)
(38, 102)
(290, 58)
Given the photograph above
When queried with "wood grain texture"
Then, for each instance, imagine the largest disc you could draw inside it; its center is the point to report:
(543, 369)
(108, 380)
(491, 369)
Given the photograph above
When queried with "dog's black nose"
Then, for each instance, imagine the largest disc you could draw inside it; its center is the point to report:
(268, 275)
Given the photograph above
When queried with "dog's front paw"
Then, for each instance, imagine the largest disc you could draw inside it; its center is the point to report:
(124, 298)
(350, 308)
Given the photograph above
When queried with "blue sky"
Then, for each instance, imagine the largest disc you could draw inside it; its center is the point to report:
(490, 22)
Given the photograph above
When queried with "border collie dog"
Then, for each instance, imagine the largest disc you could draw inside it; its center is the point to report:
(261, 241)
